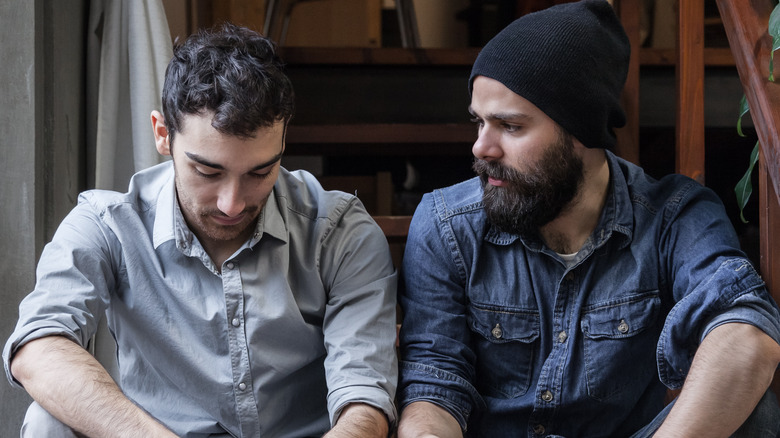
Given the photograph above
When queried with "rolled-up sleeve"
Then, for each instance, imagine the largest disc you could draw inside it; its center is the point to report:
(73, 277)
(711, 280)
(734, 293)
(360, 318)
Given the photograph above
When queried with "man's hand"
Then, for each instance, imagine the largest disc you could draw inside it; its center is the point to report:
(731, 371)
(360, 420)
(427, 420)
(72, 386)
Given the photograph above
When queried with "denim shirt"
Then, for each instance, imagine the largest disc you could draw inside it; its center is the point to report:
(513, 341)
(294, 326)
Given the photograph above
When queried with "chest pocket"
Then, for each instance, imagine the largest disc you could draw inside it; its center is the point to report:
(505, 342)
(619, 344)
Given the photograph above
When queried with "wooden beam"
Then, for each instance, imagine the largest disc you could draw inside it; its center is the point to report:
(396, 228)
(769, 229)
(769, 232)
(690, 90)
(628, 136)
(363, 133)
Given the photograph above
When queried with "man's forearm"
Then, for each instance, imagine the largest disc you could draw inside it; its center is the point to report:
(359, 420)
(72, 385)
(426, 420)
(731, 371)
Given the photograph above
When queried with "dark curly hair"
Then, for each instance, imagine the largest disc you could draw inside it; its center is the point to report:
(233, 72)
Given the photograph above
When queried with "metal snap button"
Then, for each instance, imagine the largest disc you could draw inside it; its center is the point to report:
(497, 332)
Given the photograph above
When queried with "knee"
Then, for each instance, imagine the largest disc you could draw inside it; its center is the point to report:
(38, 423)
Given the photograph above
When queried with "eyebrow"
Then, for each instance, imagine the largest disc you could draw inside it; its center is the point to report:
(501, 116)
(200, 160)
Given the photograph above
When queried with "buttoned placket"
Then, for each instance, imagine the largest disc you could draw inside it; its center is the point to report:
(551, 376)
(246, 404)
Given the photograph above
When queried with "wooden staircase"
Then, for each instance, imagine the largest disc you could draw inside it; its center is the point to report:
(746, 25)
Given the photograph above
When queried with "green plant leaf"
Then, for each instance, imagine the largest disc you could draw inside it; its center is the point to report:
(744, 187)
(774, 31)
(743, 109)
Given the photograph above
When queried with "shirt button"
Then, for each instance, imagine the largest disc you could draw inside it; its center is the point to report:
(230, 265)
(539, 429)
(623, 326)
(497, 332)
(562, 336)
(242, 386)
(547, 396)
(235, 322)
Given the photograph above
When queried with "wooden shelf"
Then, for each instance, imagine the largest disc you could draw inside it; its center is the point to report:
(378, 56)
(302, 56)
(381, 138)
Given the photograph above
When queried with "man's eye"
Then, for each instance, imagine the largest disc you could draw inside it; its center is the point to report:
(511, 128)
(477, 120)
(261, 175)
(204, 174)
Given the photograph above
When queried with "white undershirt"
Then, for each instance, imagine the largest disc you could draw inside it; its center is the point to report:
(568, 258)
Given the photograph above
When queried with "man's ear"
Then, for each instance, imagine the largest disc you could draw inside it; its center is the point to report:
(161, 139)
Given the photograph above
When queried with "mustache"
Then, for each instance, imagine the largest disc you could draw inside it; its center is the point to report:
(215, 212)
(493, 169)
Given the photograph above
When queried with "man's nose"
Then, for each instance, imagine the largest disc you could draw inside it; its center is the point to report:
(231, 201)
(487, 146)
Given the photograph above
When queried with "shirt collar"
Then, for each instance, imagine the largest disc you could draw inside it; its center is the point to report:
(164, 212)
(169, 223)
(271, 220)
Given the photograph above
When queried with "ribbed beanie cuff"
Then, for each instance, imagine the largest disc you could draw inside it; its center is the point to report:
(571, 61)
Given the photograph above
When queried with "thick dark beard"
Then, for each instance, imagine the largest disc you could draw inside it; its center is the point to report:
(532, 199)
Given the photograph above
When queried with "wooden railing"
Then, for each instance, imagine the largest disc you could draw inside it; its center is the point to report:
(746, 26)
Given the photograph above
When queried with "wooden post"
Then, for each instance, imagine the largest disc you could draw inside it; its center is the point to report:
(628, 136)
(690, 89)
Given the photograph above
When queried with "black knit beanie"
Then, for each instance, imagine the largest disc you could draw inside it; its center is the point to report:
(569, 60)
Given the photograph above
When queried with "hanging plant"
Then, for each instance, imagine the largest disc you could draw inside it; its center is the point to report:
(744, 187)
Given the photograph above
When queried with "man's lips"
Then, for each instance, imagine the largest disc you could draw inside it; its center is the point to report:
(496, 182)
(224, 220)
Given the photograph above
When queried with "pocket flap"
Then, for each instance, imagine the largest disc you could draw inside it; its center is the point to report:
(621, 318)
(501, 325)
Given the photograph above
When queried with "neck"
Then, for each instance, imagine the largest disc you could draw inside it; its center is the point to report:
(567, 233)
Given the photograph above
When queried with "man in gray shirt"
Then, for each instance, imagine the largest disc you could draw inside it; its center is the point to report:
(245, 300)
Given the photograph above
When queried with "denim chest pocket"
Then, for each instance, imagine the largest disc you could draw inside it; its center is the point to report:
(619, 344)
(505, 342)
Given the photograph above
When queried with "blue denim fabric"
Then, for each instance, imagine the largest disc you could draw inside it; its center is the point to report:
(510, 340)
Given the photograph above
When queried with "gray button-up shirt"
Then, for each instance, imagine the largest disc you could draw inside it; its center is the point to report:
(299, 323)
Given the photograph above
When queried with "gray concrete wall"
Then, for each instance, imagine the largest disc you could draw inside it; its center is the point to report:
(41, 133)
(21, 185)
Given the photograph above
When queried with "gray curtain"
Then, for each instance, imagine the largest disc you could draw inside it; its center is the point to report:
(128, 47)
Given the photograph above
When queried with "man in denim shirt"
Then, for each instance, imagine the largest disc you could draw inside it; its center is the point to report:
(563, 291)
